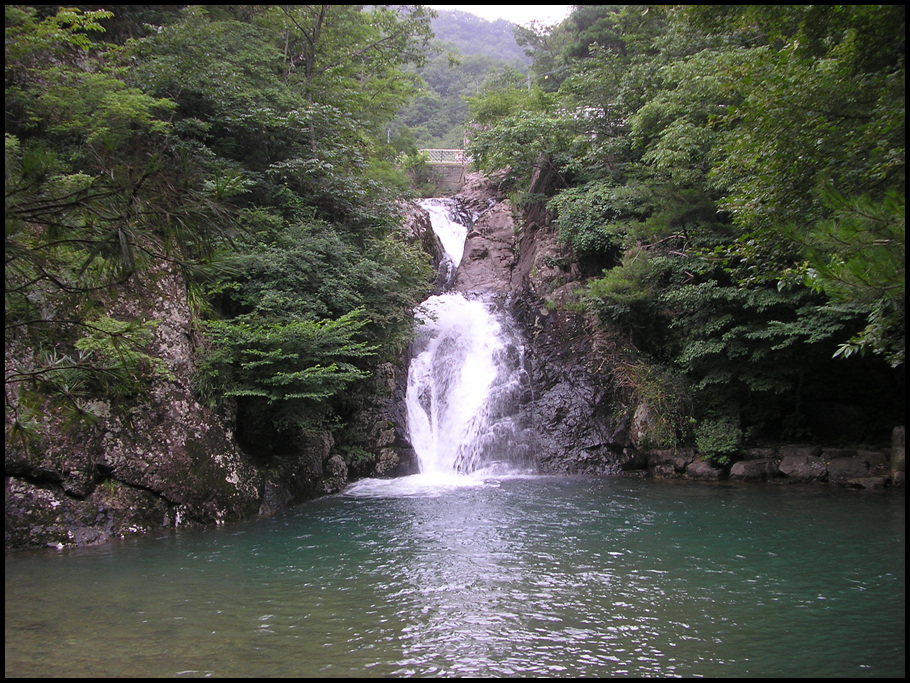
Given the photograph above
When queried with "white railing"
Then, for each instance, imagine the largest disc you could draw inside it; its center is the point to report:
(446, 156)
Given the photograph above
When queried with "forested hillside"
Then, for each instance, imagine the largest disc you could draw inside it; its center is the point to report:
(466, 53)
(242, 147)
(729, 184)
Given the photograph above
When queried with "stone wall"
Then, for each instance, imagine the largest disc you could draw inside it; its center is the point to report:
(449, 178)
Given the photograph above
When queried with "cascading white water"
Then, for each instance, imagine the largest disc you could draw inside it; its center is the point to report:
(449, 226)
(465, 377)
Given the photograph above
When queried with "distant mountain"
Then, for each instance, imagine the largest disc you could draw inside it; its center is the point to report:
(481, 50)
(475, 36)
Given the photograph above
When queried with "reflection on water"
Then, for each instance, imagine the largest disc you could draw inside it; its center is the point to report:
(479, 576)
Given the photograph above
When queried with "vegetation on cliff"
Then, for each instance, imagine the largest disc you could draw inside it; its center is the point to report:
(243, 146)
(730, 180)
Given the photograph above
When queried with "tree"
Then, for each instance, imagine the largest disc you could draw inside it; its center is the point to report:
(344, 57)
(95, 197)
(238, 144)
(730, 156)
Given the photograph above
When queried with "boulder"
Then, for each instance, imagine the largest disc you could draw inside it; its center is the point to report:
(803, 467)
(841, 469)
(754, 470)
(705, 470)
(669, 463)
(489, 255)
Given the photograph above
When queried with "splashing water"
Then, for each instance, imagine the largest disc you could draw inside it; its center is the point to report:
(461, 386)
(450, 225)
(466, 375)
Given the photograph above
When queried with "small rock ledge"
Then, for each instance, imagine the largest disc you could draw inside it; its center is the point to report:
(856, 468)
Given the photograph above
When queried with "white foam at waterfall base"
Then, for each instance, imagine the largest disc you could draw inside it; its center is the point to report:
(449, 382)
(422, 485)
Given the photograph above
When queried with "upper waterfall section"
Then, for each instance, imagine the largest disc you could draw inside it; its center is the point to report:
(450, 226)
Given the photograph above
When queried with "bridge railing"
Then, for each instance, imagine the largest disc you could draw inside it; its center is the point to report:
(447, 156)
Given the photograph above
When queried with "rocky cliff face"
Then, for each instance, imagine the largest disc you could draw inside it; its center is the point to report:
(583, 416)
(574, 410)
(158, 460)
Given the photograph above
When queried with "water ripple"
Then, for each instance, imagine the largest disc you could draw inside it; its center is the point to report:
(534, 577)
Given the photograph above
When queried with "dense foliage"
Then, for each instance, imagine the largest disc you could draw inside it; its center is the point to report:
(731, 181)
(243, 146)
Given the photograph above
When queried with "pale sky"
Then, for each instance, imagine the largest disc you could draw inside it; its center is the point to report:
(517, 14)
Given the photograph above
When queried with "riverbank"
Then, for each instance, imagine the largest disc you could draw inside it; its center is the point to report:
(856, 467)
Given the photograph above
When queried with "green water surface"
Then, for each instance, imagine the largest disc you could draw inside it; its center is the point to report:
(531, 576)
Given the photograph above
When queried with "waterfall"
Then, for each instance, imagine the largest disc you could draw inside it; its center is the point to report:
(466, 376)
(450, 226)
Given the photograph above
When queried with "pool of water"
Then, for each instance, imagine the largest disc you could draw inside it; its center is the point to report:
(523, 576)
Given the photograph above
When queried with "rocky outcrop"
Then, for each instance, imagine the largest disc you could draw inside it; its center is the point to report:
(384, 425)
(571, 410)
(582, 420)
(419, 231)
(858, 468)
(158, 459)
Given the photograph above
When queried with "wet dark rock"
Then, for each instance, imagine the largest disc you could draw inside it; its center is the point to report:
(41, 516)
(829, 454)
(877, 482)
(754, 470)
(803, 467)
(705, 470)
(669, 463)
(275, 497)
(335, 475)
(842, 469)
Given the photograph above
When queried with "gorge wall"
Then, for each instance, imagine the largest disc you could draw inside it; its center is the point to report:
(159, 460)
(585, 414)
(581, 422)
(166, 461)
